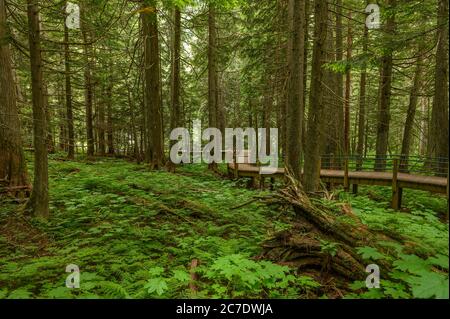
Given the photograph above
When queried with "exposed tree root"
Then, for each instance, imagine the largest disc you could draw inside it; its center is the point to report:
(322, 241)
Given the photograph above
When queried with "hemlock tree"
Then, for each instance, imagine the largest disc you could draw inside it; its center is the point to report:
(13, 168)
(38, 203)
(296, 92)
(314, 136)
(152, 84)
(385, 91)
(438, 138)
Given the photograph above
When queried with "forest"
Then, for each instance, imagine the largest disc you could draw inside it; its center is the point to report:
(116, 181)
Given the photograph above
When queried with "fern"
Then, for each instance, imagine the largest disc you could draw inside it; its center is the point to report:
(112, 290)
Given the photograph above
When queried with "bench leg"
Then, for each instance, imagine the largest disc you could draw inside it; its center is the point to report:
(355, 189)
(272, 183)
(254, 182)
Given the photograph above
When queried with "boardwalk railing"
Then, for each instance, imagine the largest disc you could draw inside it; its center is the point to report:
(417, 165)
(401, 172)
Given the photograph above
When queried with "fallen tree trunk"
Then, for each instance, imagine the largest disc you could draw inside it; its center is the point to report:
(322, 242)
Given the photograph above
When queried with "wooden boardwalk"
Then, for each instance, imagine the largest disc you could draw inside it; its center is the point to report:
(397, 181)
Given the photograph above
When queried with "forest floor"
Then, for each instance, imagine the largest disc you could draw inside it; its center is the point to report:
(135, 233)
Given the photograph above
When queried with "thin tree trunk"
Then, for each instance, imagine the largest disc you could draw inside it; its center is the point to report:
(212, 71)
(62, 121)
(340, 118)
(175, 118)
(348, 92)
(88, 88)
(332, 104)
(384, 116)
(38, 203)
(69, 109)
(362, 103)
(109, 120)
(136, 153)
(423, 128)
(410, 117)
(101, 127)
(48, 116)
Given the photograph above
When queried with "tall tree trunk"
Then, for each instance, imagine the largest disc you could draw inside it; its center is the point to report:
(384, 116)
(88, 87)
(362, 103)
(62, 120)
(69, 109)
(109, 119)
(220, 107)
(314, 138)
(212, 71)
(175, 116)
(12, 160)
(296, 90)
(348, 88)
(439, 115)
(268, 103)
(48, 116)
(305, 74)
(152, 84)
(340, 118)
(423, 127)
(38, 203)
(332, 104)
(410, 117)
(136, 153)
(101, 127)
(289, 14)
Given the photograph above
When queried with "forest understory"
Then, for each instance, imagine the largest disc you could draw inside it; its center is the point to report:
(136, 233)
(100, 100)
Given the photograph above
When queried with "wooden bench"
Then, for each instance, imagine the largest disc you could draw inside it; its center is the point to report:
(242, 167)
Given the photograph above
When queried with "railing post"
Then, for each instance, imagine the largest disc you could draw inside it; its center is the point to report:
(236, 165)
(346, 182)
(448, 169)
(396, 191)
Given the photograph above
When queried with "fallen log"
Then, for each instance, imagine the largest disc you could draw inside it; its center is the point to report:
(322, 241)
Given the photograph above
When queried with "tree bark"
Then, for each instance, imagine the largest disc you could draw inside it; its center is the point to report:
(88, 87)
(332, 100)
(315, 122)
(296, 90)
(12, 160)
(101, 122)
(62, 120)
(410, 117)
(69, 109)
(48, 117)
(348, 92)
(384, 116)
(212, 71)
(439, 115)
(131, 106)
(109, 120)
(339, 83)
(152, 84)
(38, 203)
(175, 118)
(362, 103)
